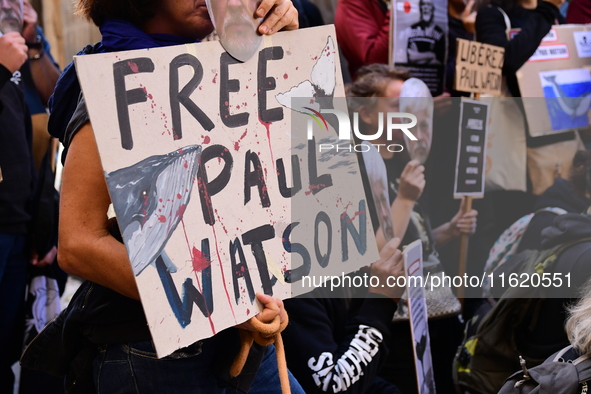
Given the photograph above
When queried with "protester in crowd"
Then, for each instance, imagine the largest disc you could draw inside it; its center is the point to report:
(577, 325)
(39, 76)
(335, 348)
(533, 17)
(461, 19)
(308, 13)
(20, 78)
(17, 175)
(579, 11)
(363, 32)
(88, 249)
(566, 194)
(406, 182)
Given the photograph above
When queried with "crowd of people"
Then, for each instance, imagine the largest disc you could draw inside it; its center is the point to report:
(333, 342)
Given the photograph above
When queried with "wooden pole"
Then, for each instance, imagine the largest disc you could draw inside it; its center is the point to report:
(464, 250)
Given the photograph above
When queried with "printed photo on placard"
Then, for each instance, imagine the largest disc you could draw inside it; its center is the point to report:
(419, 40)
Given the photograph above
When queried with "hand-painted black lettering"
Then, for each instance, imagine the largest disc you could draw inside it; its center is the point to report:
(295, 274)
(240, 270)
(317, 183)
(359, 237)
(228, 86)
(285, 191)
(266, 84)
(208, 189)
(255, 238)
(323, 259)
(124, 98)
(256, 177)
(183, 97)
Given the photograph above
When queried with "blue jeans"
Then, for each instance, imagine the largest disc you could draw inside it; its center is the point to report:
(13, 281)
(134, 368)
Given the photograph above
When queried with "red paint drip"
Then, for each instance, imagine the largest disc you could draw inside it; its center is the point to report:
(134, 68)
(268, 127)
(215, 238)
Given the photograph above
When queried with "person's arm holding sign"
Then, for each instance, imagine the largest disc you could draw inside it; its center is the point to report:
(461, 223)
(491, 29)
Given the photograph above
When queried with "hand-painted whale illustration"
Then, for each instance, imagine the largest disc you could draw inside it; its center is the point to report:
(573, 106)
(150, 198)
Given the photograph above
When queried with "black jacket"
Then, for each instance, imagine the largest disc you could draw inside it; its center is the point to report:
(332, 349)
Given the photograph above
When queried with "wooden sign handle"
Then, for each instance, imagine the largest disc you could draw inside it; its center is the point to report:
(464, 250)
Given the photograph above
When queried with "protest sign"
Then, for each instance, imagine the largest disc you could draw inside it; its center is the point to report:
(470, 162)
(378, 182)
(479, 67)
(418, 40)
(419, 323)
(559, 73)
(198, 155)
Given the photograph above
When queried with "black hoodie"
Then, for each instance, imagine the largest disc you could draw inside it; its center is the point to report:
(561, 195)
(548, 336)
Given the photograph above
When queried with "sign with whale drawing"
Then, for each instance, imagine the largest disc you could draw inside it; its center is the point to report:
(557, 89)
(214, 200)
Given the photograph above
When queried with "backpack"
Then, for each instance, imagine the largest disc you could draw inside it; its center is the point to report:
(565, 372)
(490, 351)
(507, 243)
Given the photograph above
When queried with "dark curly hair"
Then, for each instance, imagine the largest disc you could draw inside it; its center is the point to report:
(135, 11)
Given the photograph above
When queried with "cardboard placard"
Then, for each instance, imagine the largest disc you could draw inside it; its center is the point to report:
(479, 67)
(471, 159)
(202, 170)
(560, 73)
(419, 323)
(418, 40)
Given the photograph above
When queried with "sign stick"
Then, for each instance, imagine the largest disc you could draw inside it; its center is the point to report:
(464, 249)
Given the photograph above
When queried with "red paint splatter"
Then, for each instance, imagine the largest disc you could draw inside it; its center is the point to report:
(196, 277)
(354, 216)
(179, 196)
(134, 68)
(215, 78)
(311, 189)
(285, 76)
(206, 139)
(162, 218)
(200, 262)
(268, 127)
(407, 7)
